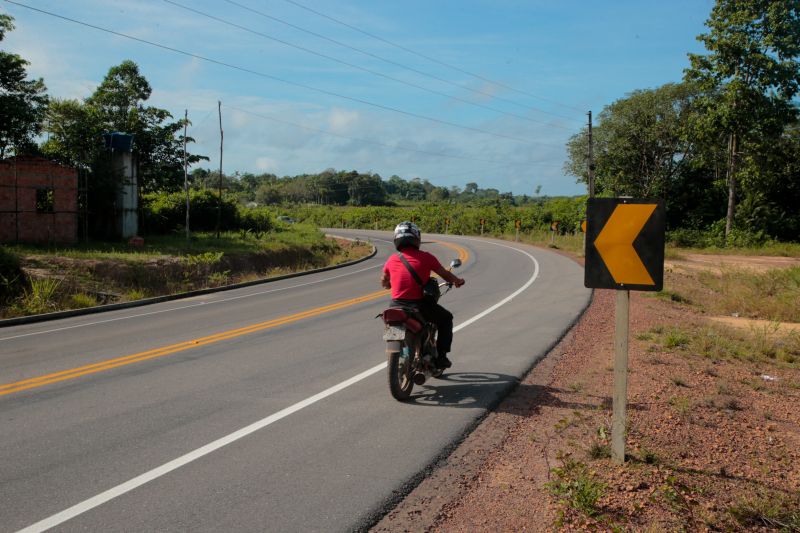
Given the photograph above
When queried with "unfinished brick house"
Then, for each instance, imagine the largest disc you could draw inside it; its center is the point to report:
(38, 201)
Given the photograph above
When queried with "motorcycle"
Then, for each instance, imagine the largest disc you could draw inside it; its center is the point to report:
(411, 346)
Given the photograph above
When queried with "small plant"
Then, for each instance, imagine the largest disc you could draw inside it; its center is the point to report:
(39, 299)
(82, 300)
(649, 456)
(576, 487)
(681, 405)
(676, 339)
(599, 450)
(135, 294)
(679, 382)
(732, 404)
(644, 337)
(775, 511)
(576, 387)
(216, 279)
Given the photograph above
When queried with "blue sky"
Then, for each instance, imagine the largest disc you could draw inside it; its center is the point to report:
(552, 61)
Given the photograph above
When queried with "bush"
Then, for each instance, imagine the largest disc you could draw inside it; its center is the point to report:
(255, 219)
(714, 237)
(11, 277)
(166, 212)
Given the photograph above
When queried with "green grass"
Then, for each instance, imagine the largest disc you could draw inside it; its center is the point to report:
(774, 249)
(576, 487)
(156, 246)
(774, 511)
(771, 295)
(717, 342)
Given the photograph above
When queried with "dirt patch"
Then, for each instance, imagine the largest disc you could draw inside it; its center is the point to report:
(716, 263)
(769, 326)
(712, 444)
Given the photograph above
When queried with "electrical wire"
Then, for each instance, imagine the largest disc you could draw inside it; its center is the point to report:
(395, 63)
(352, 65)
(275, 78)
(432, 59)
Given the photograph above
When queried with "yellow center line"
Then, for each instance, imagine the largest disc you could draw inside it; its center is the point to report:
(194, 343)
(463, 254)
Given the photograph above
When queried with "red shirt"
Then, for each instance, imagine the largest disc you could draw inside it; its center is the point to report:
(404, 286)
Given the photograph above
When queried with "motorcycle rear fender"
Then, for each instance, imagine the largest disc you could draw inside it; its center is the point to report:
(397, 315)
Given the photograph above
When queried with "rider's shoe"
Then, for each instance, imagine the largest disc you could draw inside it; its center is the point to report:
(443, 362)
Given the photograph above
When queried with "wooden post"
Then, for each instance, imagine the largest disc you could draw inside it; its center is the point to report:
(620, 398)
(219, 200)
(186, 171)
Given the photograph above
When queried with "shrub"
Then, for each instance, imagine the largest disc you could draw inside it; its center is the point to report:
(11, 277)
(165, 212)
(576, 487)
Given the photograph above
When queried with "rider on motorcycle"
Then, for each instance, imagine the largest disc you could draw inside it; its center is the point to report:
(407, 292)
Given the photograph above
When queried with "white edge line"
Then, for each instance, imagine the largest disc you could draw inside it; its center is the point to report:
(138, 481)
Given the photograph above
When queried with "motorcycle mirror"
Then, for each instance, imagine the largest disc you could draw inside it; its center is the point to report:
(455, 263)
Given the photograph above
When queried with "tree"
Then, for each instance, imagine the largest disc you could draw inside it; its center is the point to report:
(117, 104)
(22, 101)
(749, 77)
(641, 142)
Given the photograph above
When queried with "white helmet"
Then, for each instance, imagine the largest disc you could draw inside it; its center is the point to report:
(407, 234)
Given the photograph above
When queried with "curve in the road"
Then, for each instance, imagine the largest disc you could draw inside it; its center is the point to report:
(185, 459)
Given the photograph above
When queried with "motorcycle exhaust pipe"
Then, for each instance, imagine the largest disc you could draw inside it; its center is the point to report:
(419, 378)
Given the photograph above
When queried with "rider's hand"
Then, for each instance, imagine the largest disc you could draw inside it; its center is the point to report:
(459, 282)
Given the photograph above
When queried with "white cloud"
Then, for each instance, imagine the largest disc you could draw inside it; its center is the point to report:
(265, 164)
(341, 120)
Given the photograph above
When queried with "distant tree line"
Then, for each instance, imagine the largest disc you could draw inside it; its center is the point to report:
(332, 187)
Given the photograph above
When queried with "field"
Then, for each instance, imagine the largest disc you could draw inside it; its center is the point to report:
(53, 279)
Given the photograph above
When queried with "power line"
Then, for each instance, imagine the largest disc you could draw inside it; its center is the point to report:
(432, 59)
(275, 78)
(391, 62)
(367, 141)
(352, 65)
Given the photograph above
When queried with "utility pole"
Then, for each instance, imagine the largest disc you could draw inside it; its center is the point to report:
(591, 159)
(186, 171)
(219, 204)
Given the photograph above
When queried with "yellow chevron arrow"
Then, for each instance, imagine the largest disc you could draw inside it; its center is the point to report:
(615, 243)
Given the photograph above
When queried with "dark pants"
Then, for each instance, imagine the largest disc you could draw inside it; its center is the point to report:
(433, 312)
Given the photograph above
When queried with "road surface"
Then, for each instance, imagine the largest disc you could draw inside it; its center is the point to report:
(263, 408)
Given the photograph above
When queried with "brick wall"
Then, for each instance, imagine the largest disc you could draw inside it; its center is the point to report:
(20, 178)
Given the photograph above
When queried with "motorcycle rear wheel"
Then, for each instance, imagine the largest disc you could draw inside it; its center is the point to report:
(400, 375)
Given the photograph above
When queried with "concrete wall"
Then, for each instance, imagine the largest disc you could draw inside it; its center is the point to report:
(20, 178)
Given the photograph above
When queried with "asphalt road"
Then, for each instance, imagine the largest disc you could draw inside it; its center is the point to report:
(263, 408)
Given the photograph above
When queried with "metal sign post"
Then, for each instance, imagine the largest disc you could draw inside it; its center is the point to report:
(517, 224)
(624, 251)
(483, 222)
(620, 396)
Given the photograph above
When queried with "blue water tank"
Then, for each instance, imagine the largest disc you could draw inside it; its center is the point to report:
(117, 140)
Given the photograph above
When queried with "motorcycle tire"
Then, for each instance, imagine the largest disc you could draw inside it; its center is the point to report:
(400, 376)
(438, 373)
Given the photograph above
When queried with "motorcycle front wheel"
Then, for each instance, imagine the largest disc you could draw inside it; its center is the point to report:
(399, 372)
